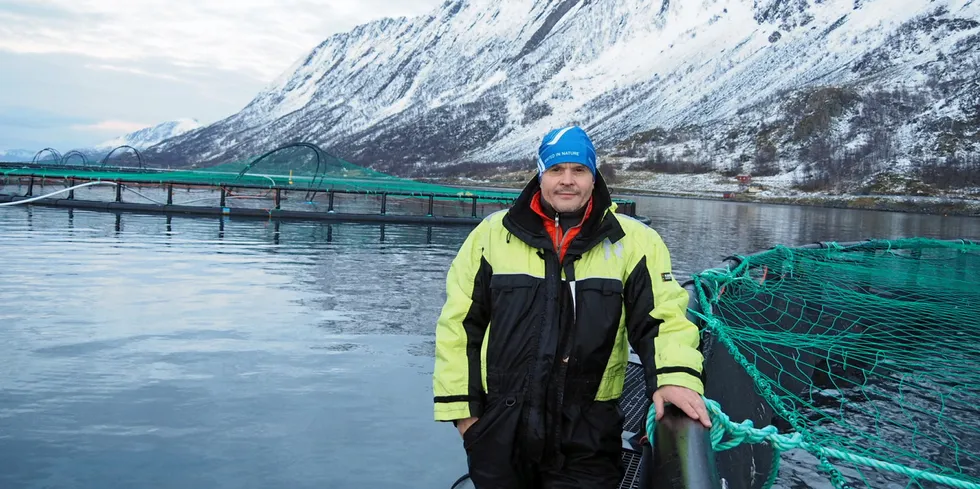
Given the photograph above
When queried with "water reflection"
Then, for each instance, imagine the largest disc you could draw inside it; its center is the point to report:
(171, 351)
(276, 232)
(701, 233)
(146, 351)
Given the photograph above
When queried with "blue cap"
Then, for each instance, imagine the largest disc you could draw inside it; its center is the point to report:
(566, 145)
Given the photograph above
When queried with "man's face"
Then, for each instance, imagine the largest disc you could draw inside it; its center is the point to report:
(567, 186)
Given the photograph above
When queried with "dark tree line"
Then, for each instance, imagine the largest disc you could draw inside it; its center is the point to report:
(829, 165)
(609, 173)
(951, 172)
(471, 169)
(663, 164)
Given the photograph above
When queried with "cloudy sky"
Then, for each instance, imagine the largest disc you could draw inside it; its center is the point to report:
(78, 72)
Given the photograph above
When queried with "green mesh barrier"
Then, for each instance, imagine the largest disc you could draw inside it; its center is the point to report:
(304, 167)
(868, 351)
(299, 166)
(298, 180)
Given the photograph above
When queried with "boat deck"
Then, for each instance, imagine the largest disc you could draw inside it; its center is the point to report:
(634, 405)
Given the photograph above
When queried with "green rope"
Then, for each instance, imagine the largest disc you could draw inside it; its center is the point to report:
(745, 432)
(864, 349)
(775, 401)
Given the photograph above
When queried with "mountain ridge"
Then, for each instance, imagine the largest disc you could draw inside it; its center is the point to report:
(480, 81)
(139, 139)
(151, 135)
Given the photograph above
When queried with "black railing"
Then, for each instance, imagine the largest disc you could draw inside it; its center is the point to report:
(624, 207)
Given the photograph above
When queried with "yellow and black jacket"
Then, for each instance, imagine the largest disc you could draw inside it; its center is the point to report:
(521, 330)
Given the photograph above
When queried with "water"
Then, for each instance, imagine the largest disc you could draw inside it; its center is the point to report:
(701, 233)
(142, 351)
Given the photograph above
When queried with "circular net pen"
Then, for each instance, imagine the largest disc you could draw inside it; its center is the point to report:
(298, 180)
(861, 357)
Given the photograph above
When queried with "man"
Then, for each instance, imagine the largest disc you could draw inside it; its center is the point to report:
(543, 301)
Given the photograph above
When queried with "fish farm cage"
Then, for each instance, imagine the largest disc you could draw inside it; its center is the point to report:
(295, 181)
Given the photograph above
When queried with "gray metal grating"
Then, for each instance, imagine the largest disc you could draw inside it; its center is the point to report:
(631, 461)
(633, 401)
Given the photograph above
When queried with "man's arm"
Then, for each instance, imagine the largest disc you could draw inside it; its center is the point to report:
(457, 381)
(656, 320)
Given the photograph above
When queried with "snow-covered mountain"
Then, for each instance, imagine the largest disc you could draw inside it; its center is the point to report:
(141, 139)
(731, 84)
(148, 136)
(16, 155)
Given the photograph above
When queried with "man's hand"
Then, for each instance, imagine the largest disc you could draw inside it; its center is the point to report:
(689, 401)
(464, 424)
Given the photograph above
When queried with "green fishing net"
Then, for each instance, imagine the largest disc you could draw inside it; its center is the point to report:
(868, 354)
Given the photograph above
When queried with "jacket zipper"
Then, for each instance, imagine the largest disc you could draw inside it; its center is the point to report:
(562, 236)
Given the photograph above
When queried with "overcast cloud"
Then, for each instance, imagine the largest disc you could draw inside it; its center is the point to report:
(78, 72)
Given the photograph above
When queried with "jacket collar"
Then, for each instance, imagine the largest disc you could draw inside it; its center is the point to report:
(526, 225)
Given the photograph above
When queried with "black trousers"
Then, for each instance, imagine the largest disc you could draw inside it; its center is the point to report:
(590, 454)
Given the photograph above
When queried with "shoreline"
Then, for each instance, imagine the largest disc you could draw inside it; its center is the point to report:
(944, 206)
(910, 204)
